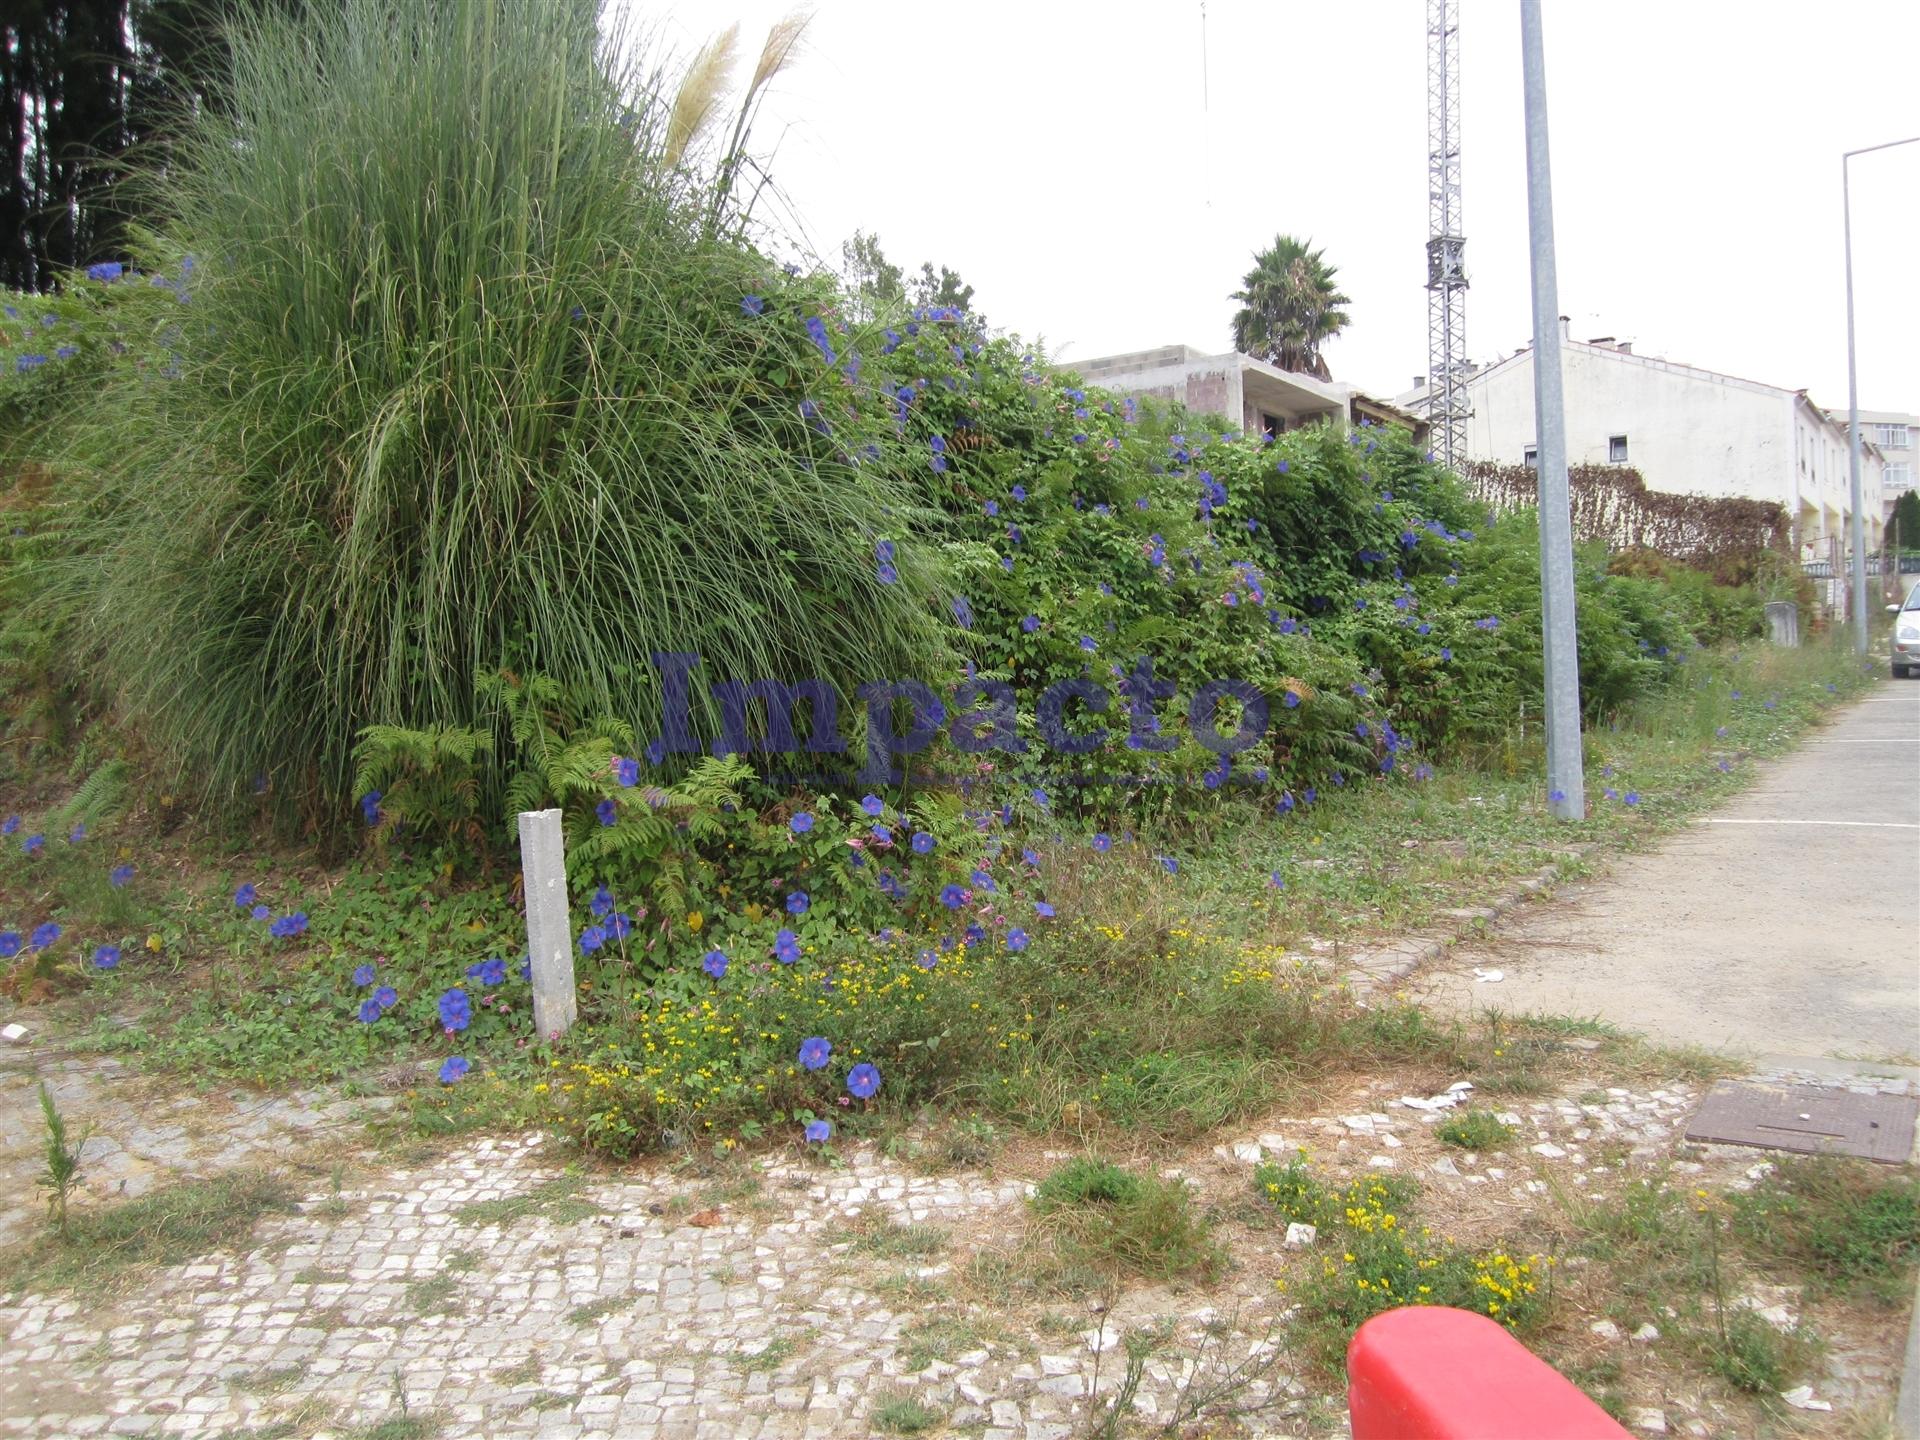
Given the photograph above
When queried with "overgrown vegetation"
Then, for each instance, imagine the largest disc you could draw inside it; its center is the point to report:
(1110, 1220)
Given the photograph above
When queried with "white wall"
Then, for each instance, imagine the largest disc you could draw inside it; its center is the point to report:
(1688, 432)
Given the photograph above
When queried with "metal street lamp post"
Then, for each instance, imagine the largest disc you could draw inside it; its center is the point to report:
(1857, 532)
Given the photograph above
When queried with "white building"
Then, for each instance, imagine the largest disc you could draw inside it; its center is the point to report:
(1686, 430)
(1895, 434)
(1251, 394)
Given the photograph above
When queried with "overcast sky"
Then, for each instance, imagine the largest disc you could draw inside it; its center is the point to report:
(1064, 158)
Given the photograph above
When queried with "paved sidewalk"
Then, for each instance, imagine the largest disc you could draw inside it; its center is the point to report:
(1785, 924)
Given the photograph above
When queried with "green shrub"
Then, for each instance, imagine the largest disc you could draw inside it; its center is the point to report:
(1473, 1130)
(1853, 1227)
(1112, 1219)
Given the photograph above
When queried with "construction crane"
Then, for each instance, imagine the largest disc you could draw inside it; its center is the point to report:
(1447, 404)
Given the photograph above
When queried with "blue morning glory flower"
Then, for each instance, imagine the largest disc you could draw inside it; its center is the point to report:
(43, 936)
(119, 876)
(798, 902)
(1019, 492)
(818, 1131)
(715, 963)
(607, 812)
(386, 997)
(801, 823)
(926, 959)
(106, 271)
(259, 912)
(369, 1011)
(1043, 909)
(1446, 652)
(455, 1069)
(815, 1051)
(1030, 623)
(863, 1080)
(287, 926)
(1632, 797)
(592, 938)
(963, 612)
(456, 1012)
(1290, 700)
(34, 844)
(923, 842)
(752, 305)
(9, 825)
(488, 972)
(1103, 842)
(983, 881)
(363, 976)
(817, 332)
(786, 947)
(953, 897)
(106, 957)
(872, 804)
(656, 751)
(626, 771)
(602, 903)
(1558, 797)
(9, 944)
(370, 806)
(79, 832)
(1171, 865)
(1016, 939)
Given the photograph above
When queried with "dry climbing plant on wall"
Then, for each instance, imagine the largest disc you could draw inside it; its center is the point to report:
(1612, 503)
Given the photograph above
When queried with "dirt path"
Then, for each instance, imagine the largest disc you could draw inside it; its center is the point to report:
(1785, 924)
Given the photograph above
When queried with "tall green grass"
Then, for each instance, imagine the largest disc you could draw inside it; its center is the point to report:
(464, 380)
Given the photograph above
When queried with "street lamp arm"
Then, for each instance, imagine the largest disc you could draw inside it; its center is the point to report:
(1846, 155)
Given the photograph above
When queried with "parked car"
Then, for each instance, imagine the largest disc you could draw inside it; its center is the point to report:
(1905, 645)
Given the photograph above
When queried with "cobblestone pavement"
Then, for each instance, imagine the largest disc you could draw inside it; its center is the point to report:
(777, 1298)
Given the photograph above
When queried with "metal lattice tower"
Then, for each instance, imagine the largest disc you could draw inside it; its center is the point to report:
(1447, 406)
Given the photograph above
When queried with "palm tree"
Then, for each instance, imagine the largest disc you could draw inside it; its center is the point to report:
(1289, 307)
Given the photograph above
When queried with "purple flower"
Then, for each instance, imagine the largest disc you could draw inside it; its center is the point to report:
(119, 876)
(953, 897)
(456, 1012)
(786, 947)
(592, 938)
(9, 825)
(602, 903)
(370, 1011)
(607, 811)
(9, 944)
(817, 332)
(259, 912)
(107, 271)
(798, 903)
(1632, 797)
(77, 834)
(488, 972)
(370, 806)
(43, 936)
(456, 1068)
(1171, 865)
(245, 896)
(863, 1080)
(715, 963)
(364, 976)
(752, 305)
(386, 997)
(1016, 939)
(800, 824)
(819, 1132)
(625, 770)
(815, 1052)
(34, 844)
(1274, 879)
(1103, 842)
(923, 842)
(926, 959)
(1557, 797)
(1043, 909)
(106, 957)
(872, 804)
(1030, 623)
(288, 926)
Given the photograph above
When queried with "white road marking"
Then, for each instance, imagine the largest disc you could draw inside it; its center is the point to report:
(1862, 824)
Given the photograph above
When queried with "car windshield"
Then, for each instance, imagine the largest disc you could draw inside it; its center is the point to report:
(1913, 599)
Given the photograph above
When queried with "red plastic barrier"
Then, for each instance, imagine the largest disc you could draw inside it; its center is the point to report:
(1428, 1372)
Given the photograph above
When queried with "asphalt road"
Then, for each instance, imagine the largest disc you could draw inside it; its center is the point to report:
(1786, 923)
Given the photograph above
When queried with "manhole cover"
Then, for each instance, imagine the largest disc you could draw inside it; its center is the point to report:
(1807, 1120)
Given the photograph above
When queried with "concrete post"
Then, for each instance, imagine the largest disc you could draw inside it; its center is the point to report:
(1783, 622)
(1566, 783)
(543, 868)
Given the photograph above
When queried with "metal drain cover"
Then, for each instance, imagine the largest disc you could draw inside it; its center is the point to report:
(1807, 1120)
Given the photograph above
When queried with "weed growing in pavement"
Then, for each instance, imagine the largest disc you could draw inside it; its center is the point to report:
(168, 1226)
(1118, 1221)
(1473, 1130)
(904, 1415)
(60, 1176)
(1852, 1228)
(557, 1200)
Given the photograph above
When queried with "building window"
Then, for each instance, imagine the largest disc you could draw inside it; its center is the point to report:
(1530, 457)
(1889, 437)
(1616, 449)
(1897, 477)
(1274, 425)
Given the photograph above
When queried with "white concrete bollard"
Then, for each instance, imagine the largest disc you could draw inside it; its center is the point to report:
(543, 868)
(1783, 622)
